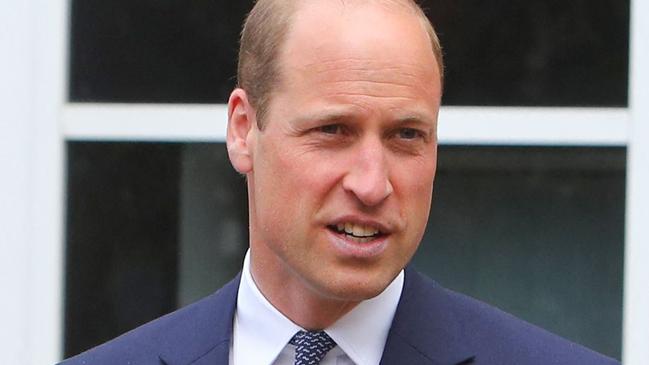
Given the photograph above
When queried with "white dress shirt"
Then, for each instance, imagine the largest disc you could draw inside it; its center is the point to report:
(261, 333)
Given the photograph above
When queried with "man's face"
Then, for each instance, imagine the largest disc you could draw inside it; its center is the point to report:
(342, 173)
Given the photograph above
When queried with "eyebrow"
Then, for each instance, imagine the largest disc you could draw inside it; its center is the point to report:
(333, 115)
(344, 114)
(416, 118)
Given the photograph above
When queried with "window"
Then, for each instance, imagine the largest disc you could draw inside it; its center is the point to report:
(519, 227)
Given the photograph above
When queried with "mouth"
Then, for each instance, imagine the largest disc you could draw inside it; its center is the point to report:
(360, 233)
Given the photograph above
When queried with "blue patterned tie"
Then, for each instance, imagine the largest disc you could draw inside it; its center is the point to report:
(311, 347)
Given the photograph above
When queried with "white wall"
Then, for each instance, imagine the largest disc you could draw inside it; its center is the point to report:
(636, 276)
(30, 187)
(15, 104)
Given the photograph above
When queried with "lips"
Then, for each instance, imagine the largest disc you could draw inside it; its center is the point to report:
(358, 241)
(356, 231)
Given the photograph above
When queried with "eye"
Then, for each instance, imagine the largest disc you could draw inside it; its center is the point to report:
(409, 133)
(330, 129)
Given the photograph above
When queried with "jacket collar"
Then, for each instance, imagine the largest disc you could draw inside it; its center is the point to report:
(426, 328)
(202, 333)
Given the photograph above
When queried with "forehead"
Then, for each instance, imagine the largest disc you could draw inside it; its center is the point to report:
(366, 48)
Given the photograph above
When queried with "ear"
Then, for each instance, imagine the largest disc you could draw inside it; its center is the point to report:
(242, 125)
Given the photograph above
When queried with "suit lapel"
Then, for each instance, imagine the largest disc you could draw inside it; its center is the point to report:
(426, 328)
(202, 335)
(219, 355)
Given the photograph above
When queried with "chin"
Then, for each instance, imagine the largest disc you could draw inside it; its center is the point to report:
(351, 288)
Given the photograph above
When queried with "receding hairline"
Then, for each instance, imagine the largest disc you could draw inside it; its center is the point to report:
(411, 6)
(266, 31)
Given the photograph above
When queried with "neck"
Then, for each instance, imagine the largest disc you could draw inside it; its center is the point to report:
(301, 304)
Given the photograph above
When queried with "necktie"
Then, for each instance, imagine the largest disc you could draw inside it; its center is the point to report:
(311, 347)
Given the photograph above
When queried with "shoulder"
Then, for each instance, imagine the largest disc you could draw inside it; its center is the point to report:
(187, 333)
(494, 337)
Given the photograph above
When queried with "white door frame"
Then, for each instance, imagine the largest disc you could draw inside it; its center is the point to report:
(635, 344)
(32, 69)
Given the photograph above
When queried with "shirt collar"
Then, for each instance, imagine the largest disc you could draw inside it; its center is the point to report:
(258, 325)
(361, 333)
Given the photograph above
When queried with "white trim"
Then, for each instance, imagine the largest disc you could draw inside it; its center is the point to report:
(145, 122)
(16, 91)
(32, 70)
(534, 126)
(635, 349)
(48, 191)
(458, 125)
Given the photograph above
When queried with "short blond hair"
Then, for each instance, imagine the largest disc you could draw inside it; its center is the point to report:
(264, 32)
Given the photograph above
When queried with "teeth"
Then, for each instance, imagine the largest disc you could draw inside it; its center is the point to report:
(357, 230)
(360, 239)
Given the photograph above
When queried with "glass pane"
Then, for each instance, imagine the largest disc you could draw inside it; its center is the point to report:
(534, 52)
(505, 52)
(538, 232)
(150, 227)
(154, 51)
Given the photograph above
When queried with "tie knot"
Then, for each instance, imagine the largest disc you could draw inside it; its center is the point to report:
(311, 347)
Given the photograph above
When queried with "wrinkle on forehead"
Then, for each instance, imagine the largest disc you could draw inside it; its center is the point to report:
(361, 77)
(357, 64)
(366, 67)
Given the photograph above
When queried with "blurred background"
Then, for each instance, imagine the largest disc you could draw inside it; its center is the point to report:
(124, 206)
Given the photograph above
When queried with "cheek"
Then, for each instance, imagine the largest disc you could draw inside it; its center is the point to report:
(291, 184)
(426, 168)
(308, 175)
(415, 189)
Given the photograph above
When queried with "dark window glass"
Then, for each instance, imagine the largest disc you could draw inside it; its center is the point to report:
(538, 232)
(536, 52)
(154, 51)
(150, 227)
(535, 231)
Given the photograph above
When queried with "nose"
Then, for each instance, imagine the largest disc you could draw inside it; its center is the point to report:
(368, 177)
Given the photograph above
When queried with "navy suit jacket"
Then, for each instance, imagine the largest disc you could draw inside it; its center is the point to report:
(432, 326)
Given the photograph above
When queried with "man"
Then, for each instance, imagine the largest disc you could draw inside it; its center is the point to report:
(334, 127)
